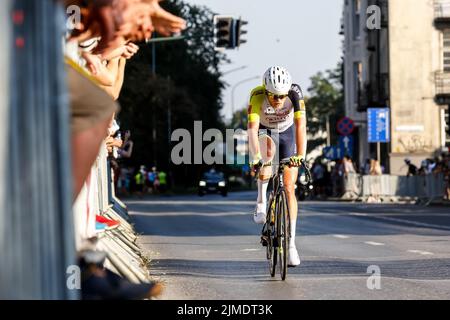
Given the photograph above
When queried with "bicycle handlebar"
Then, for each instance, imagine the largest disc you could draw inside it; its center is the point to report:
(284, 163)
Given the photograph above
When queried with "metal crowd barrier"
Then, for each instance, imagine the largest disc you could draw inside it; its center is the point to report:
(423, 189)
(97, 197)
(36, 227)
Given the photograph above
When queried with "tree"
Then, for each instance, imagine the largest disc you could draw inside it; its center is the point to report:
(186, 87)
(239, 120)
(326, 98)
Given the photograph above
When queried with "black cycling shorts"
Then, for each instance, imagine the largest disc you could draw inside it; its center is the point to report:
(284, 141)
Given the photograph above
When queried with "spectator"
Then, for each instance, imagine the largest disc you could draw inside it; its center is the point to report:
(156, 184)
(126, 150)
(124, 184)
(412, 169)
(431, 164)
(162, 177)
(423, 170)
(318, 173)
(336, 177)
(151, 179)
(438, 165)
(365, 169)
(375, 168)
(446, 169)
(140, 181)
(348, 165)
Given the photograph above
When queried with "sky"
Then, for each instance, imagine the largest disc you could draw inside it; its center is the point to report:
(301, 35)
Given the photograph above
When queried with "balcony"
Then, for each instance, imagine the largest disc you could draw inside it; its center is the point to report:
(442, 82)
(442, 14)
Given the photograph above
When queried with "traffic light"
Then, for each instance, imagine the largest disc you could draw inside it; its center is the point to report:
(227, 32)
(224, 32)
(239, 32)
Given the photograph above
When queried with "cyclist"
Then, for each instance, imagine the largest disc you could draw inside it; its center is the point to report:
(277, 109)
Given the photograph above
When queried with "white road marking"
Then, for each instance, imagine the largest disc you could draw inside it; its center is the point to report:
(424, 253)
(192, 213)
(191, 202)
(358, 214)
(250, 250)
(372, 243)
(340, 236)
(414, 223)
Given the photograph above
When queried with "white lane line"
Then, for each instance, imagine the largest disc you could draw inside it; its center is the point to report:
(190, 202)
(424, 253)
(413, 223)
(250, 250)
(372, 243)
(340, 236)
(192, 213)
(357, 214)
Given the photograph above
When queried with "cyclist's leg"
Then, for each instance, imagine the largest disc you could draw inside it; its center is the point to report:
(261, 203)
(290, 176)
(287, 149)
(267, 150)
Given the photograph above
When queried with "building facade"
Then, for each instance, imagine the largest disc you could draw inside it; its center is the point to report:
(397, 55)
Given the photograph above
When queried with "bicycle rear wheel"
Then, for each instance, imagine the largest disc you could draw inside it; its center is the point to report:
(283, 232)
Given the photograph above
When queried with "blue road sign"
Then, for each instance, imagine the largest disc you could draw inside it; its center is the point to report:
(378, 123)
(346, 144)
(333, 153)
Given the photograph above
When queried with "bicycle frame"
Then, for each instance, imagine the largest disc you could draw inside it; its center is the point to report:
(277, 179)
(276, 184)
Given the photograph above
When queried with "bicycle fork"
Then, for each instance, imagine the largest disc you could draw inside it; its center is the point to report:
(268, 230)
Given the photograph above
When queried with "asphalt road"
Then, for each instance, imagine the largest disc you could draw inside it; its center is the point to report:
(208, 248)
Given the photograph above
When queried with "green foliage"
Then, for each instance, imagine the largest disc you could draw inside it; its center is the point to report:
(187, 87)
(239, 120)
(326, 98)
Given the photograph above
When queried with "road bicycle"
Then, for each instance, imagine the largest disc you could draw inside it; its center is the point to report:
(276, 232)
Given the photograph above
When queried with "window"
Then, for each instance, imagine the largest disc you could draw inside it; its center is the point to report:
(356, 19)
(357, 80)
(446, 51)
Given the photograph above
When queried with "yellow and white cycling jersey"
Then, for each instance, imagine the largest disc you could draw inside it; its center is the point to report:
(277, 119)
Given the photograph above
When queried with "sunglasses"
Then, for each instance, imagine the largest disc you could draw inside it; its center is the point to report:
(276, 96)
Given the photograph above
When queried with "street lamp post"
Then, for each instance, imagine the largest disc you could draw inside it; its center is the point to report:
(233, 70)
(234, 88)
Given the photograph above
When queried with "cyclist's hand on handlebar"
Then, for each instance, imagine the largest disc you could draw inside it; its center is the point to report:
(296, 161)
(257, 162)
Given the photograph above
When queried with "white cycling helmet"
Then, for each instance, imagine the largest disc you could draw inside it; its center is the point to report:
(277, 80)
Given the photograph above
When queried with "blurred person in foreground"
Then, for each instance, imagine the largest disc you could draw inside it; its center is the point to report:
(96, 51)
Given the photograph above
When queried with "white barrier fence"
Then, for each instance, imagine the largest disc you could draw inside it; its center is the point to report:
(376, 188)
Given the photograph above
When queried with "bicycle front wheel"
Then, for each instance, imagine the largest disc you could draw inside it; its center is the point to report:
(272, 250)
(283, 226)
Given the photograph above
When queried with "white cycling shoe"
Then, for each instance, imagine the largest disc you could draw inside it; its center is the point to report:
(260, 214)
(294, 258)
